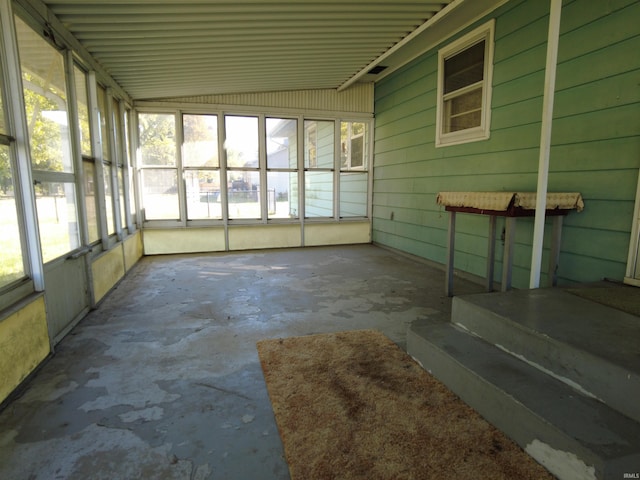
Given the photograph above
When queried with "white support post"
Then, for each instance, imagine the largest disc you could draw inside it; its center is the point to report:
(545, 140)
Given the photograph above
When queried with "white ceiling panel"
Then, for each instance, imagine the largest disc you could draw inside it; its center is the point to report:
(168, 48)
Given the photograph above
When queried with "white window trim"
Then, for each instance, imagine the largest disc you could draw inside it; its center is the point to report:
(482, 132)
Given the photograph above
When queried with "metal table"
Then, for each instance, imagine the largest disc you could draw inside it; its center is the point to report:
(510, 205)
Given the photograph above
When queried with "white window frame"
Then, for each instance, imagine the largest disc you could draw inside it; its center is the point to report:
(484, 32)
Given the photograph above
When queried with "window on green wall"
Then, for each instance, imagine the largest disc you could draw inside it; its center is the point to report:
(464, 88)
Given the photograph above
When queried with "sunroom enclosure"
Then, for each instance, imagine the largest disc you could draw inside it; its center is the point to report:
(247, 179)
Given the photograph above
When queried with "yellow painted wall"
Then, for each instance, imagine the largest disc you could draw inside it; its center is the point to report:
(133, 250)
(337, 234)
(183, 240)
(159, 241)
(106, 270)
(264, 236)
(24, 343)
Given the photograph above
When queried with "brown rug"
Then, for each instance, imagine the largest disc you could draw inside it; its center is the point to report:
(352, 405)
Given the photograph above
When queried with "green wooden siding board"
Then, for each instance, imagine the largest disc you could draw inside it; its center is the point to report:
(578, 268)
(577, 13)
(518, 15)
(614, 215)
(526, 63)
(525, 38)
(616, 122)
(591, 26)
(521, 113)
(518, 90)
(415, 72)
(594, 184)
(603, 94)
(596, 155)
(616, 59)
(601, 244)
(404, 121)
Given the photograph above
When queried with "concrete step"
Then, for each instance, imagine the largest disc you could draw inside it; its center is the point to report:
(593, 348)
(574, 436)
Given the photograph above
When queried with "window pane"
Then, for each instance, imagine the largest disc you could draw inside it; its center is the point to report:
(108, 198)
(57, 218)
(90, 200)
(11, 264)
(83, 111)
(241, 143)
(127, 145)
(203, 194)
(353, 194)
(3, 125)
(123, 219)
(282, 194)
(160, 194)
(117, 121)
(244, 194)
(200, 147)
(464, 68)
(318, 200)
(353, 145)
(102, 107)
(157, 139)
(282, 143)
(463, 111)
(45, 99)
(319, 144)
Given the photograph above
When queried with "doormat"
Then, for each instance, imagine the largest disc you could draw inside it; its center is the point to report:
(353, 405)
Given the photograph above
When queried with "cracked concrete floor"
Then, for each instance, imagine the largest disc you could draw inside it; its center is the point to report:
(163, 380)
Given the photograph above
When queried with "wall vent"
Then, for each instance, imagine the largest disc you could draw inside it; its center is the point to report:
(377, 69)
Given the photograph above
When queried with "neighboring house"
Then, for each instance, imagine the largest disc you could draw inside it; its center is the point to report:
(595, 141)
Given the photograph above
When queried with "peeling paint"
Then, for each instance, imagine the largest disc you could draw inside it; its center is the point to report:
(567, 381)
(564, 465)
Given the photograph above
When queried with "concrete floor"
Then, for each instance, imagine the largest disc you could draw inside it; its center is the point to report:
(163, 381)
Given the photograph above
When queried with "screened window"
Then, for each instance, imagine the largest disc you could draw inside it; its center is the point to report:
(128, 176)
(106, 160)
(319, 168)
(119, 163)
(282, 167)
(88, 160)
(159, 175)
(252, 168)
(354, 178)
(45, 98)
(464, 88)
(201, 167)
(243, 167)
(353, 146)
(11, 262)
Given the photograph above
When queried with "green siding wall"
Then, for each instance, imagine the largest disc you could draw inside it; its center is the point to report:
(595, 142)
